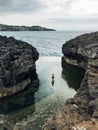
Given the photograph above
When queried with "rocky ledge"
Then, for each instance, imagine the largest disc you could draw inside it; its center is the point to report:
(17, 65)
(80, 112)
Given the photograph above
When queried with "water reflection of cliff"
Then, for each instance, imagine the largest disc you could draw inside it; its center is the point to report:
(20, 100)
(72, 74)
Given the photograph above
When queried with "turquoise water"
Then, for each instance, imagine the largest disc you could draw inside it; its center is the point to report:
(48, 98)
(45, 67)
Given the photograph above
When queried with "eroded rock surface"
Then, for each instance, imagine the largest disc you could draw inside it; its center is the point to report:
(17, 65)
(83, 53)
(5, 123)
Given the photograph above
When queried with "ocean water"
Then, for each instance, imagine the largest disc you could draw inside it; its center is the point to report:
(48, 98)
(47, 43)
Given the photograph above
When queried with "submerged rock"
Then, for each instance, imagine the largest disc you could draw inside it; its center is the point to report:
(17, 65)
(83, 53)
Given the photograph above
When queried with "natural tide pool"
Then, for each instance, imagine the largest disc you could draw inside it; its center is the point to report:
(38, 106)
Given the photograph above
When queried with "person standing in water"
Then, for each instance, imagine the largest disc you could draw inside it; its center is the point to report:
(52, 80)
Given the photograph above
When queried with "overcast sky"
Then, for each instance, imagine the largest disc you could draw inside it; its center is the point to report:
(57, 14)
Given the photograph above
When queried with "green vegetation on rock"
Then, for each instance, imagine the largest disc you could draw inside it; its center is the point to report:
(4, 27)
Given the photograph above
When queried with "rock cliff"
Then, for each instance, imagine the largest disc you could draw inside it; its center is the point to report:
(17, 65)
(83, 53)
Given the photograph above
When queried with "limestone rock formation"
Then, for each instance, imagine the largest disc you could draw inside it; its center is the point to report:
(83, 53)
(17, 65)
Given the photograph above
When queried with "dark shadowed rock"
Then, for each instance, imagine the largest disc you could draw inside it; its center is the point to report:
(83, 53)
(6, 123)
(17, 65)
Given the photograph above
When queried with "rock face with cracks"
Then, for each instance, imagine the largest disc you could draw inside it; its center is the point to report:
(17, 65)
(82, 52)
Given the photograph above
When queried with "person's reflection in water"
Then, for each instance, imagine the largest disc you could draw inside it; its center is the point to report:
(52, 80)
